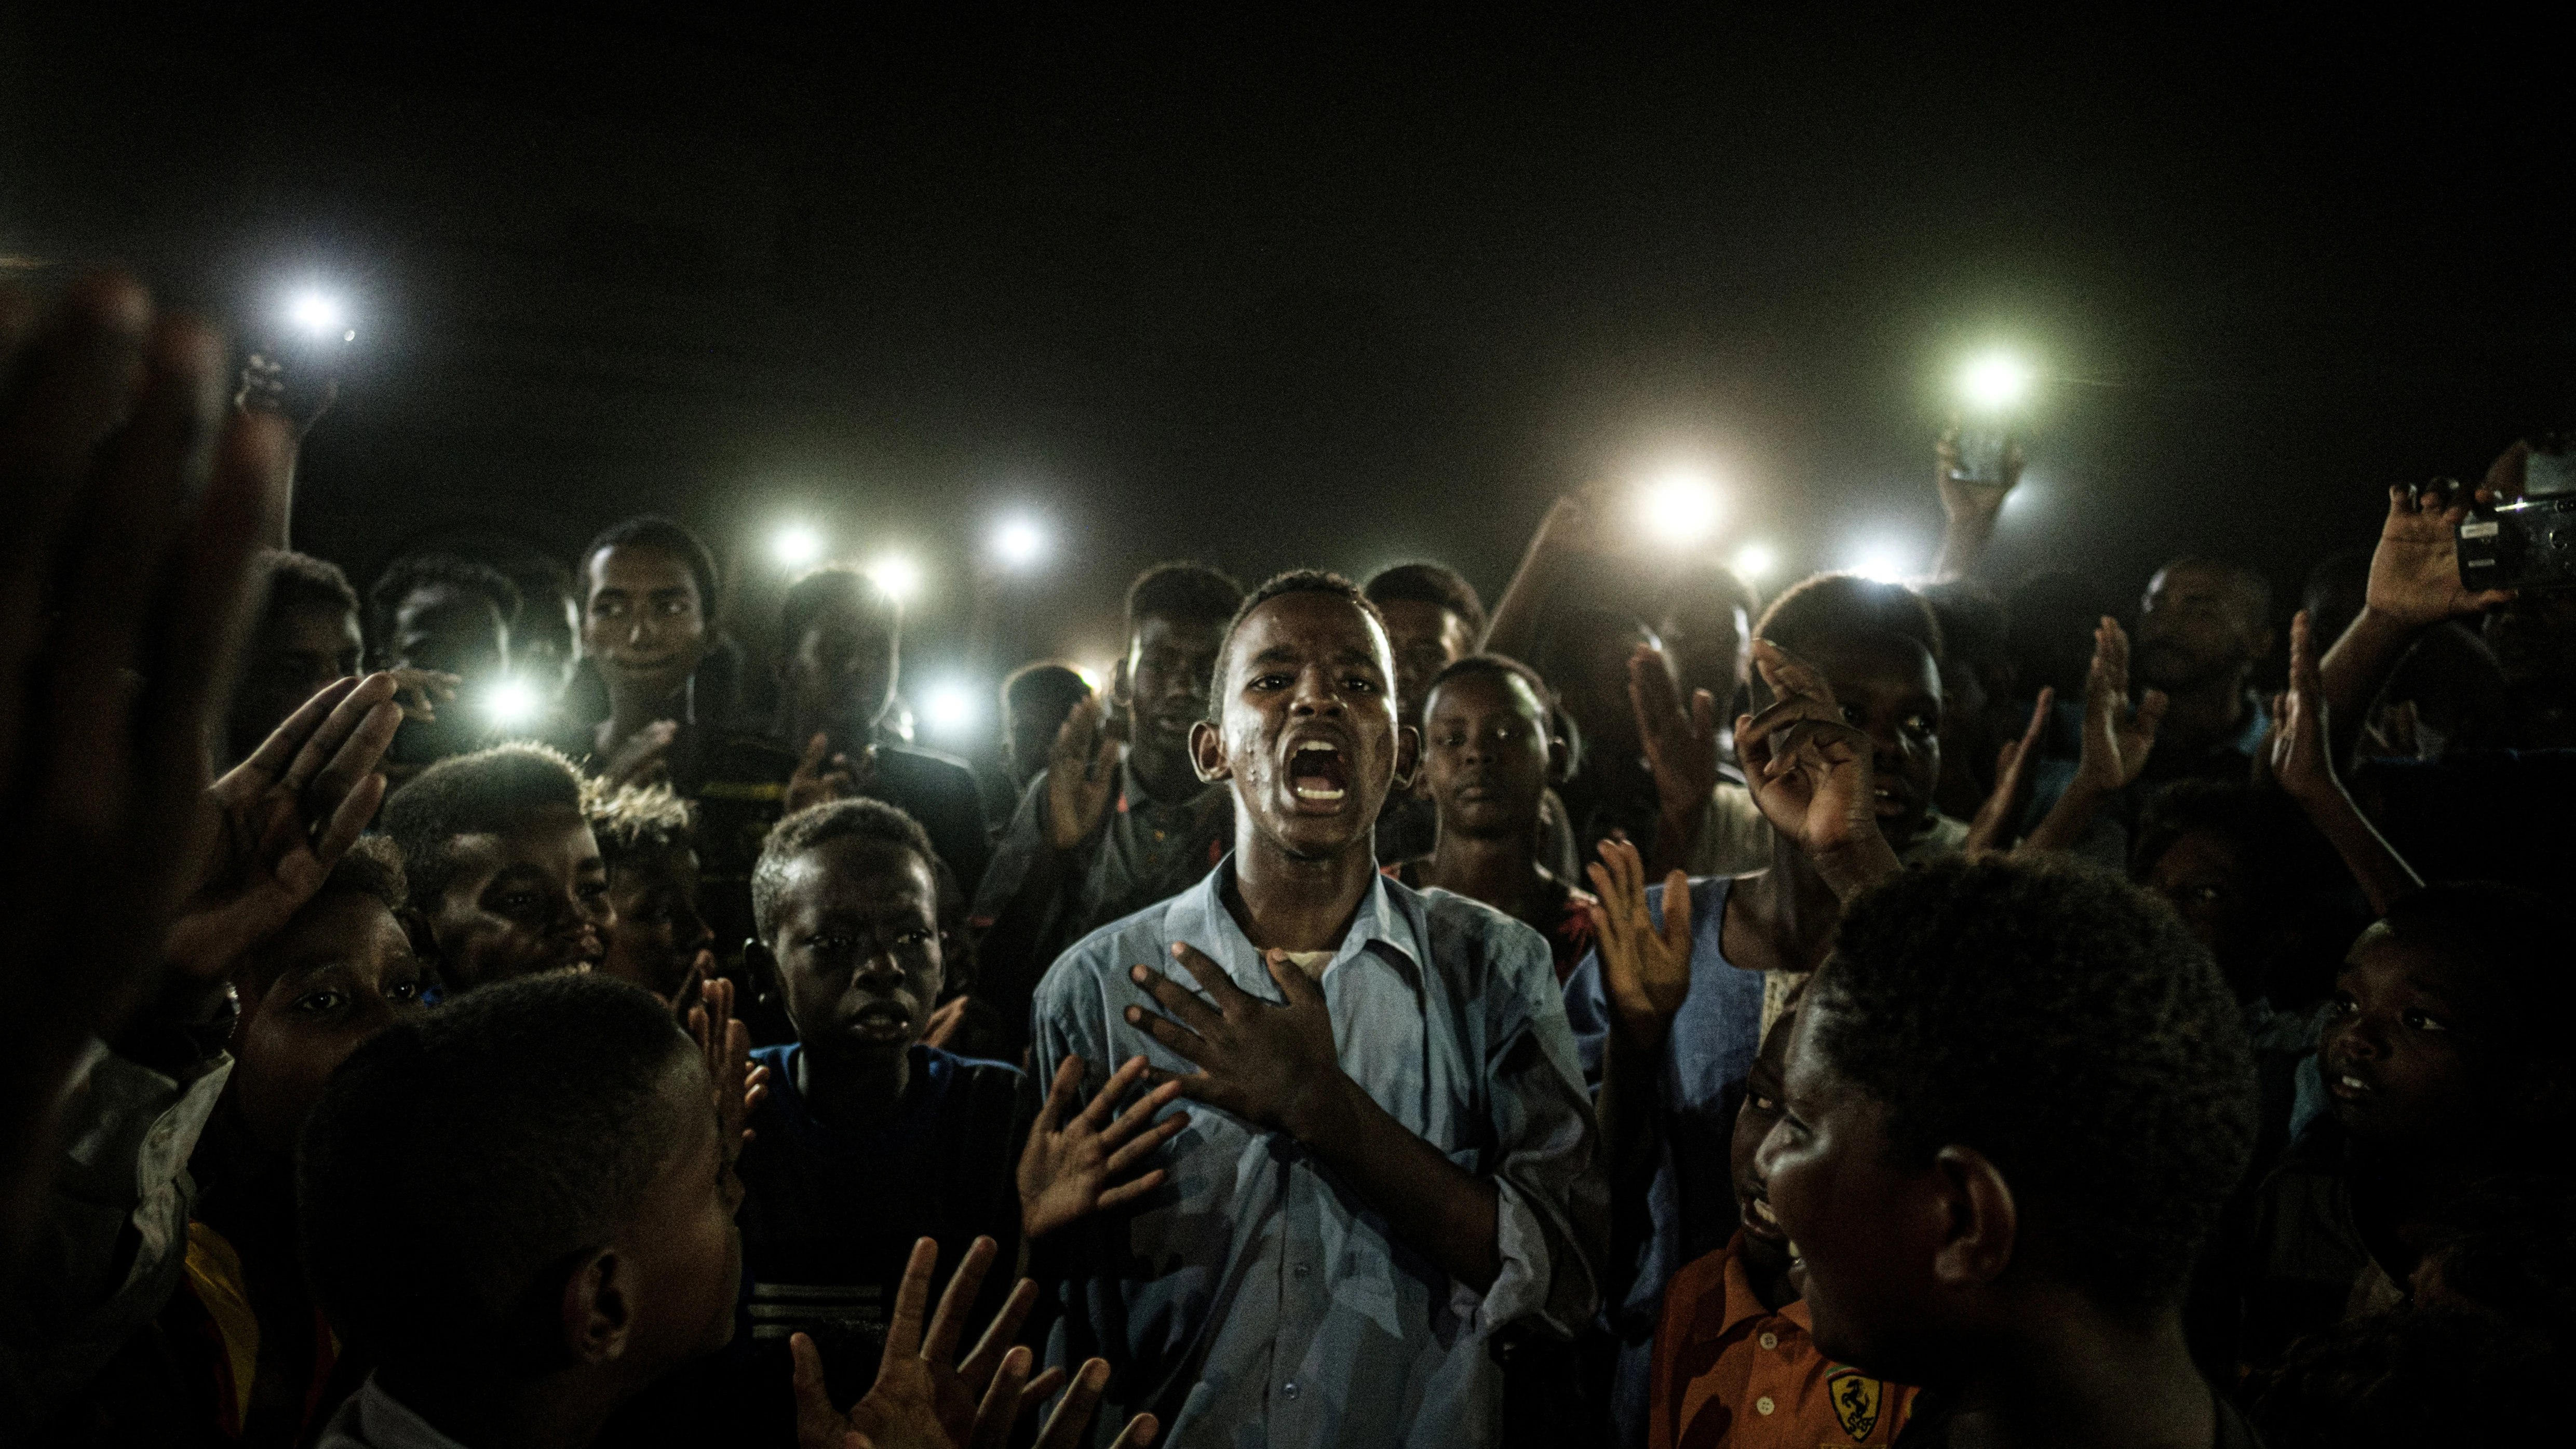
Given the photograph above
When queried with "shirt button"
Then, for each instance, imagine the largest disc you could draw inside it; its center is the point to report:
(1770, 1340)
(1763, 1404)
(1290, 1389)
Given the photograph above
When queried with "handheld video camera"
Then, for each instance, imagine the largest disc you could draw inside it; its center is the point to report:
(2529, 543)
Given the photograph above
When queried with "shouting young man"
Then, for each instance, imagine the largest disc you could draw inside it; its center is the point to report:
(1390, 1162)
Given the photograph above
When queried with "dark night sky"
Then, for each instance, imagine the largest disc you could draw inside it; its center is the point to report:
(1336, 292)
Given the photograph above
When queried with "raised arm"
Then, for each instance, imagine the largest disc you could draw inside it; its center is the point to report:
(2297, 755)
(2117, 738)
(2414, 584)
(1570, 532)
(1968, 509)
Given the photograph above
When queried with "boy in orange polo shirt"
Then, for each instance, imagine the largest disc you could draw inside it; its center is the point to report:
(1733, 1361)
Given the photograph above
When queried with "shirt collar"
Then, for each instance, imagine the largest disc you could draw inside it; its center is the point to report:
(2258, 723)
(1739, 1304)
(1198, 917)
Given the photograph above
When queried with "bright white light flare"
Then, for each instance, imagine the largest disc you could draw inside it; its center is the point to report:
(897, 575)
(316, 312)
(511, 703)
(948, 708)
(1019, 542)
(1679, 509)
(1994, 382)
(796, 545)
(1755, 561)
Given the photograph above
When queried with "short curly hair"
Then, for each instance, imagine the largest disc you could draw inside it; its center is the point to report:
(816, 825)
(1295, 581)
(1435, 584)
(2063, 1023)
(404, 575)
(652, 531)
(1827, 604)
(1499, 666)
(636, 820)
(291, 580)
(485, 791)
(1182, 590)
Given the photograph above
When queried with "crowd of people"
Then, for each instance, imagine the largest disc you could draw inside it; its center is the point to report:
(1644, 1014)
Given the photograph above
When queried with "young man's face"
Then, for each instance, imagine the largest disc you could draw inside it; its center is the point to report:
(531, 898)
(1426, 639)
(1891, 690)
(2400, 1047)
(453, 630)
(854, 934)
(644, 622)
(2195, 626)
(1486, 755)
(841, 672)
(548, 648)
(1169, 664)
(1766, 1243)
(681, 1243)
(657, 932)
(341, 971)
(1308, 735)
(300, 650)
(1864, 1236)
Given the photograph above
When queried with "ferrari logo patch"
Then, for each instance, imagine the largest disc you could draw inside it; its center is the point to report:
(1856, 1398)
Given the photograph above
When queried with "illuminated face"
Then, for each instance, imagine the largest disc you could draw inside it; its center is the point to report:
(1765, 1240)
(644, 623)
(1486, 754)
(854, 933)
(1891, 690)
(1169, 663)
(341, 971)
(2399, 1050)
(1426, 638)
(1308, 736)
(527, 899)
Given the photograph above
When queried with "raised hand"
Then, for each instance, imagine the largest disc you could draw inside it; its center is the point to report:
(1962, 496)
(135, 498)
(922, 1395)
(1070, 1168)
(725, 1044)
(2415, 570)
(2117, 735)
(1082, 773)
(1812, 774)
(1272, 1066)
(1992, 828)
(1681, 744)
(1645, 973)
(2295, 754)
(285, 816)
(818, 779)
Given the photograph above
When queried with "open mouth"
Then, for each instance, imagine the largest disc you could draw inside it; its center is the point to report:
(881, 1021)
(2348, 1087)
(1889, 804)
(1317, 771)
(1761, 1222)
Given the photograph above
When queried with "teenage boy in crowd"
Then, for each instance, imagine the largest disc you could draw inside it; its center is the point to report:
(658, 939)
(505, 874)
(1489, 748)
(522, 1205)
(1863, 654)
(1392, 1163)
(2445, 1061)
(1098, 836)
(869, 1139)
(447, 616)
(306, 637)
(2014, 1103)
(1734, 1357)
(235, 1356)
(1433, 618)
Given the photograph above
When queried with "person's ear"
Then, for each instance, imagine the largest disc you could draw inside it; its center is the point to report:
(1560, 758)
(1207, 753)
(1408, 756)
(596, 1313)
(1982, 1221)
(1119, 692)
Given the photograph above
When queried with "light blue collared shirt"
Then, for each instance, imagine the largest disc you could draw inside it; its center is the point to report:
(1254, 1299)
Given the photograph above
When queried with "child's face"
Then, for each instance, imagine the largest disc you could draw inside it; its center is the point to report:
(340, 972)
(682, 1242)
(1485, 755)
(657, 932)
(1309, 735)
(1765, 1240)
(2202, 875)
(2400, 1049)
(531, 898)
(1891, 690)
(1865, 1240)
(855, 933)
